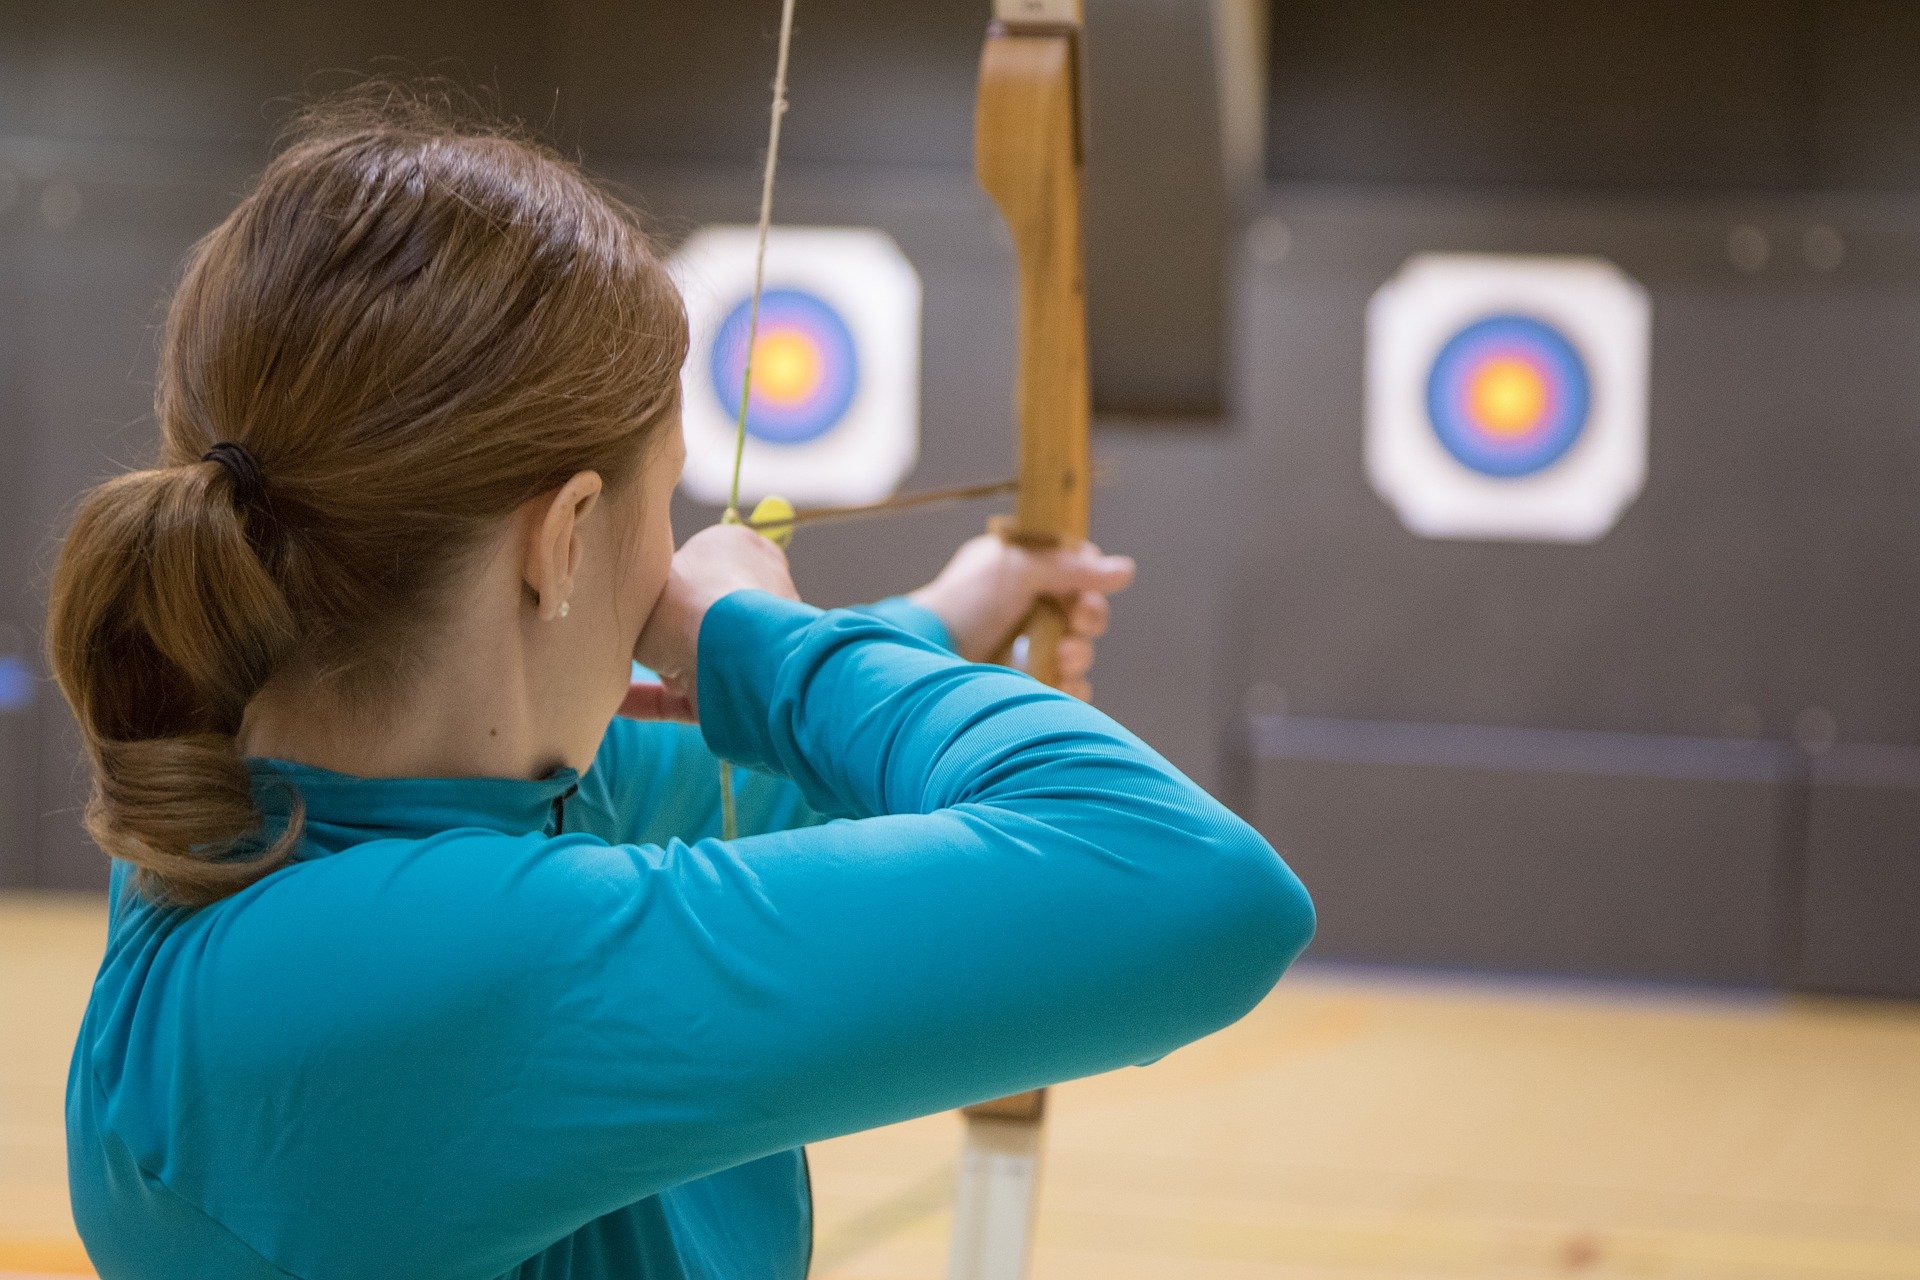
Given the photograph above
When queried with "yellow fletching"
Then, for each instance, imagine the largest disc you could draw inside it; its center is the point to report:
(773, 518)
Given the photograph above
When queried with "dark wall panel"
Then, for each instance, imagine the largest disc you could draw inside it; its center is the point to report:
(1504, 870)
(1160, 215)
(1866, 104)
(98, 247)
(1733, 95)
(19, 708)
(689, 84)
(197, 73)
(1860, 933)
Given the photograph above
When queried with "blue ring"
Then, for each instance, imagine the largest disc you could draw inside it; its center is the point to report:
(1569, 396)
(821, 411)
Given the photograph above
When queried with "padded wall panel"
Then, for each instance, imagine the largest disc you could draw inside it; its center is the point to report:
(94, 279)
(19, 607)
(1505, 870)
(1860, 931)
(1633, 94)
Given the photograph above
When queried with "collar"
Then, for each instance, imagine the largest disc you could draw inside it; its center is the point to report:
(344, 810)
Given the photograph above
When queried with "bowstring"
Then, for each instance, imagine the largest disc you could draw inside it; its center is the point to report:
(729, 810)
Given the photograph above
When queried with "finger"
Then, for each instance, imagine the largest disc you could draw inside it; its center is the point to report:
(1076, 657)
(1088, 615)
(652, 700)
(1083, 568)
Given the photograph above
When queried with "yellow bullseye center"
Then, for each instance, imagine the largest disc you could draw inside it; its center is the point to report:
(786, 367)
(1508, 396)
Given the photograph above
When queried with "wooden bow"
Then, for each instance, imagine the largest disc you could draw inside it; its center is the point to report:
(1028, 149)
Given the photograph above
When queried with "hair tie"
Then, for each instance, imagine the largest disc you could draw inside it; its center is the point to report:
(249, 482)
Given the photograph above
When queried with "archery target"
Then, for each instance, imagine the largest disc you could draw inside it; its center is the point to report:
(833, 415)
(1507, 396)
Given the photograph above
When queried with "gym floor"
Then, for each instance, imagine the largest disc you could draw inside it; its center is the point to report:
(1357, 1125)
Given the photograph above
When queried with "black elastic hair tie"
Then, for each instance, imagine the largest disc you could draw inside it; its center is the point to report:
(249, 482)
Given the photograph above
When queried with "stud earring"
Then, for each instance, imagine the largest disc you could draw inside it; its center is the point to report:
(563, 608)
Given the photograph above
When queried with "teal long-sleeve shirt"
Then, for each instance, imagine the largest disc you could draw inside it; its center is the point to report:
(557, 1029)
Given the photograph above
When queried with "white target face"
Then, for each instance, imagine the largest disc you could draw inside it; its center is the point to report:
(834, 413)
(1507, 396)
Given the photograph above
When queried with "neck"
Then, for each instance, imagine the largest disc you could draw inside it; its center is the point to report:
(468, 713)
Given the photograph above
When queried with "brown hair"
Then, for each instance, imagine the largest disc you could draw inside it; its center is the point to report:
(414, 324)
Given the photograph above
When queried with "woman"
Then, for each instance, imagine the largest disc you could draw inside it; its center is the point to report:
(419, 966)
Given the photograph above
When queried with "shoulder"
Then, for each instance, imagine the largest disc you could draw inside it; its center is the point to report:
(404, 919)
(444, 945)
(455, 881)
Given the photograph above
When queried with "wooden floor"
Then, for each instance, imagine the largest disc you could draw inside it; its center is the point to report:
(1352, 1127)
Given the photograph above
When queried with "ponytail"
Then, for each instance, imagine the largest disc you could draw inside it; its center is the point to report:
(163, 625)
(412, 325)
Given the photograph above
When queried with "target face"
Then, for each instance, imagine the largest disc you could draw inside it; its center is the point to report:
(833, 412)
(1506, 396)
(805, 367)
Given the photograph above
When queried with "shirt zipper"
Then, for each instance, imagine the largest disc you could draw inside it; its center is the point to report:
(558, 824)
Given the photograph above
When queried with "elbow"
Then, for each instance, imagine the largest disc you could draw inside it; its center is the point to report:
(1259, 919)
(1291, 910)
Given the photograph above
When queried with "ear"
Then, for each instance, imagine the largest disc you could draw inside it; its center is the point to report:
(553, 544)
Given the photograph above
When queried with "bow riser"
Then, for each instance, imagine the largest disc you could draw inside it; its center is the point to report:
(1028, 158)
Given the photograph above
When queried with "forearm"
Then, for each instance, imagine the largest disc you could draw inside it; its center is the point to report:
(1050, 813)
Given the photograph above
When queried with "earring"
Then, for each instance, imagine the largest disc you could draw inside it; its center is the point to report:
(563, 608)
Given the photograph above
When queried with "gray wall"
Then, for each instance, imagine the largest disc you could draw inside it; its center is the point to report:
(1686, 752)
(1691, 750)
(1630, 95)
